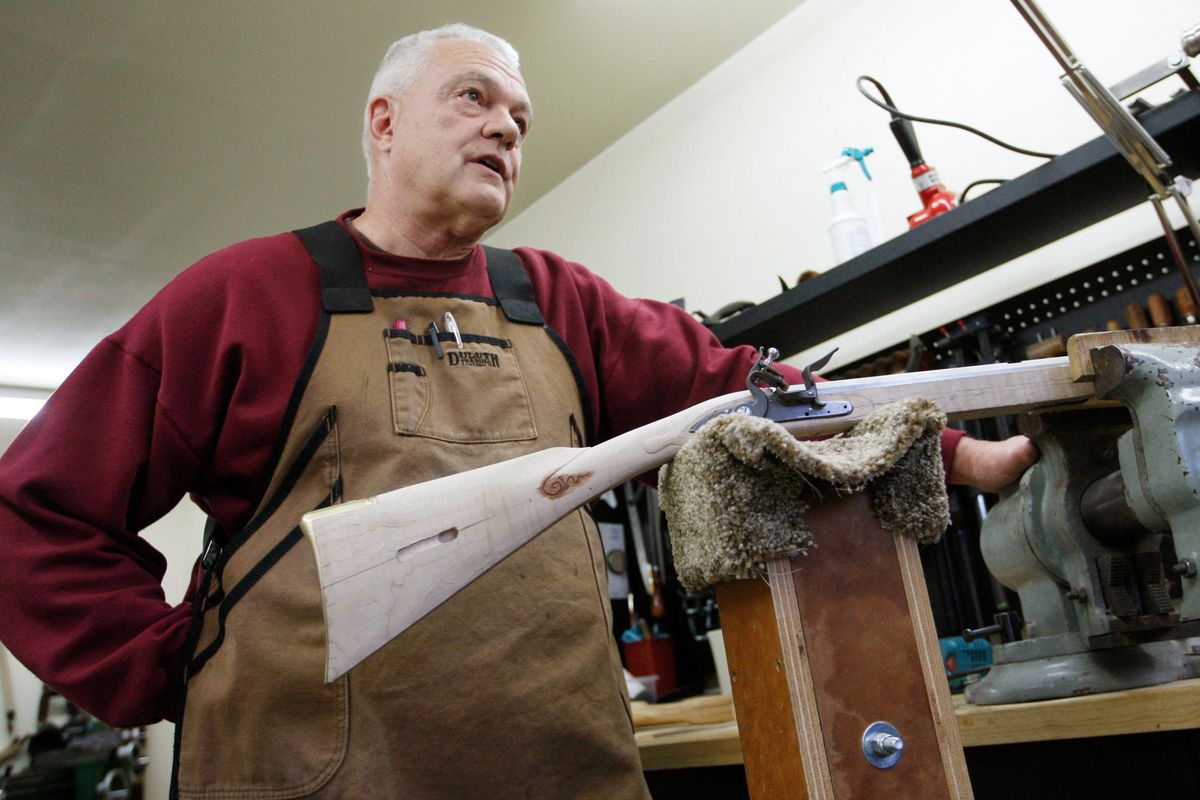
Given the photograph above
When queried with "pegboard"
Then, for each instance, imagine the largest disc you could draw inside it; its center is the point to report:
(1086, 300)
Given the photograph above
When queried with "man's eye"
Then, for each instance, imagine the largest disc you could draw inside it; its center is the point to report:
(522, 126)
(473, 95)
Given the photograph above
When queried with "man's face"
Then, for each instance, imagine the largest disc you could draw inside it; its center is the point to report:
(455, 150)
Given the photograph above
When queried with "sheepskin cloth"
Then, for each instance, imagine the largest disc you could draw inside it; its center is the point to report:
(736, 493)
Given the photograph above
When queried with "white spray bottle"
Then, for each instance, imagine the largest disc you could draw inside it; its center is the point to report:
(855, 226)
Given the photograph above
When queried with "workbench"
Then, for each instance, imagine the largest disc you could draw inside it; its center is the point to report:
(1086, 728)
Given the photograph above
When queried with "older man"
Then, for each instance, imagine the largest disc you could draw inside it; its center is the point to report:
(298, 370)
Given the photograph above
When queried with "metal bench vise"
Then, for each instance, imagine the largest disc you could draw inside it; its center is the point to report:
(1101, 540)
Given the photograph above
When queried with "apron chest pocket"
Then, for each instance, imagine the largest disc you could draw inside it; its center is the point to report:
(475, 393)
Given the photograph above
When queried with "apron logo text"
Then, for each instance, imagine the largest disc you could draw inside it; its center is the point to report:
(470, 359)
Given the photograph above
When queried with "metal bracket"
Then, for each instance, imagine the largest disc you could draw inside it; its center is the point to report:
(1174, 64)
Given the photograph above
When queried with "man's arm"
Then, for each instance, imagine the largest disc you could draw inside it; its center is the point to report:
(184, 398)
(642, 360)
(81, 591)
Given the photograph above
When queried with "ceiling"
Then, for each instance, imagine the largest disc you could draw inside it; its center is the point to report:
(138, 136)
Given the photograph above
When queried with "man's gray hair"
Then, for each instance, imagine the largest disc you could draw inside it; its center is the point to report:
(407, 58)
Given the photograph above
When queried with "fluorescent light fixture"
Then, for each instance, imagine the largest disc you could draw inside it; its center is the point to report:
(19, 407)
(18, 402)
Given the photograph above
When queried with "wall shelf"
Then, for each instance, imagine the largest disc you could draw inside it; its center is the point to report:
(1075, 190)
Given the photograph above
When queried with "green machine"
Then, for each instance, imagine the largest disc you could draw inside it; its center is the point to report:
(1102, 537)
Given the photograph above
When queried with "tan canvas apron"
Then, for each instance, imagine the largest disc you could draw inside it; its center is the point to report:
(510, 689)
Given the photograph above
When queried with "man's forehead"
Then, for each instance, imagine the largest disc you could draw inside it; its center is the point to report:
(458, 59)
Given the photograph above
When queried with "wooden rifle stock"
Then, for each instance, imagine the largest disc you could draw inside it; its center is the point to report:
(387, 561)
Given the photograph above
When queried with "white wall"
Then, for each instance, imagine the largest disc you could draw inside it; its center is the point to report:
(720, 191)
(177, 536)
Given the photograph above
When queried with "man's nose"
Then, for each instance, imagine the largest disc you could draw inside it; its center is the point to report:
(500, 125)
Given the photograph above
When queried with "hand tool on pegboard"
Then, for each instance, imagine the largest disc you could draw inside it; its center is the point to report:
(1160, 311)
(1135, 316)
(1186, 306)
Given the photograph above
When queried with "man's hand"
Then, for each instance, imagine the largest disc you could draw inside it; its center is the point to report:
(990, 465)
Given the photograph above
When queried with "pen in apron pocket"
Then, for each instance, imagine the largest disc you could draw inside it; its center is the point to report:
(452, 327)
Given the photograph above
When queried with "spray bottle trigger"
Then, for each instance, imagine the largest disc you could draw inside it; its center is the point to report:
(860, 156)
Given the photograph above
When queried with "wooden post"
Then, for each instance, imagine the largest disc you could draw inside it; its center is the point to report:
(827, 644)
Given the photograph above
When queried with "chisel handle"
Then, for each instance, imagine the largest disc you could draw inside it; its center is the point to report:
(1160, 311)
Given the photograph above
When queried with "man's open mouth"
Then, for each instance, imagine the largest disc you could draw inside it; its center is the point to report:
(493, 164)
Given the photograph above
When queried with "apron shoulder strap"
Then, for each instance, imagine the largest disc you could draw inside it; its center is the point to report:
(343, 283)
(512, 287)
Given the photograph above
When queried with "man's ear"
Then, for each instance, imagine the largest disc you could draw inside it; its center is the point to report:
(380, 113)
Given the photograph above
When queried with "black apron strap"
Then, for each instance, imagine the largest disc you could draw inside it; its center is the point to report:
(343, 283)
(512, 286)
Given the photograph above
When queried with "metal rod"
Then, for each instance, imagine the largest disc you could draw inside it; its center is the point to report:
(1126, 133)
(1045, 31)
(1125, 124)
(1173, 244)
(1194, 227)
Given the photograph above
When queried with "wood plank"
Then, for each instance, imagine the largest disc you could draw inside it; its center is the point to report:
(954, 763)
(686, 746)
(1151, 709)
(770, 747)
(1080, 346)
(1172, 706)
(700, 710)
(797, 651)
(865, 659)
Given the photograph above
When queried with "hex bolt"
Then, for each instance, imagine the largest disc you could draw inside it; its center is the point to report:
(1186, 568)
(884, 744)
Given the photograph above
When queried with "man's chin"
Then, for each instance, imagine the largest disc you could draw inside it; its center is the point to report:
(488, 208)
